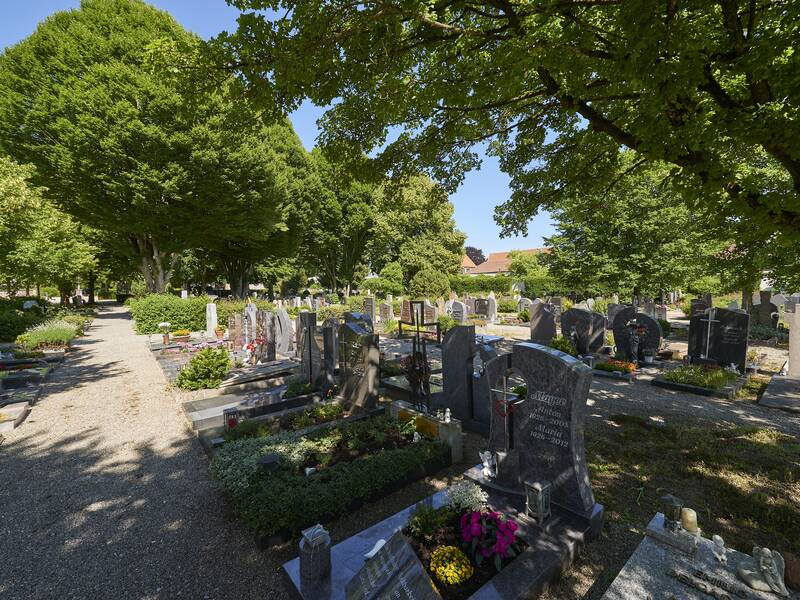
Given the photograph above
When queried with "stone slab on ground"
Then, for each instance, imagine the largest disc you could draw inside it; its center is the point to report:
(261, 372)
(27, 394)
(782, 392)
(12, 415)
(660, 572)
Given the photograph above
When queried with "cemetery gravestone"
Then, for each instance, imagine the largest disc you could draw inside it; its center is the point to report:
(661, 313)
(481, 307)
(250, 322)
(613, 310)
(697, 307)
(394, 573)
(369, 307)
(469, 302)
(458, 355)
(543, 323)
(406, 315)
(627, 324)
(357, 317)
(265, 336)
(359, 365)
(459, 312)
(587, 329)
(307, 347)
(429, 313)
(211, 319)
(765, 314)
(387, 314)
(719, 336)
(492, 312)
(284, 333)
(555, 301)
(235, 331)
(524, 304)
(792, 316)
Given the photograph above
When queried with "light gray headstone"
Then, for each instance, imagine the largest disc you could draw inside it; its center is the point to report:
(211, 319)
(524, 304)
(458, 311)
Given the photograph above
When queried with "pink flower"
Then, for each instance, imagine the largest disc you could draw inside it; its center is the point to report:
(486, 552)
(476, 529)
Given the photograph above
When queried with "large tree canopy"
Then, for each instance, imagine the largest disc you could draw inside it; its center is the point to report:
(556, 87)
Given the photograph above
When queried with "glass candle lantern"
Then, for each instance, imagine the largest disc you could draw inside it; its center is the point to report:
(537, 500)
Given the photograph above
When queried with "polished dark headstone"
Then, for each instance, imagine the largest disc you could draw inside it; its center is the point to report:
(458, 378)
(719, 336)
(543, 323)
(284, 342)
(628, 321)
(589, 328)
(613, 310)
(697, 307)
(308, 347)
(482, 307)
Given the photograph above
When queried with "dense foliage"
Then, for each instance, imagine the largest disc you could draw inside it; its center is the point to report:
(182, 313)
(701, 376)
(429, 283)
(53, 334)
(206, 370)
(380, 456)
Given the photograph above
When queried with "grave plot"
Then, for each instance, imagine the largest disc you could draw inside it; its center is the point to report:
(505, 534)
(21, 375)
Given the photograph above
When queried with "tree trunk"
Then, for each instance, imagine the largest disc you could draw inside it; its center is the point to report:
(90, 287)
(764, 310)
(156, 266)
(238, 274)
(38, 291)
(747, 298)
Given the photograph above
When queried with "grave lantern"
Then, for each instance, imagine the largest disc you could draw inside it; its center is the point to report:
(671, 507)
(231, 418)
(537, 500)
(269, 462)
(315, 554)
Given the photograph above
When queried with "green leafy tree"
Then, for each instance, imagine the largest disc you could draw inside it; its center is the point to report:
(532, 270)
(429, 283)
(554, 88)
(638, 238)
(475, 254)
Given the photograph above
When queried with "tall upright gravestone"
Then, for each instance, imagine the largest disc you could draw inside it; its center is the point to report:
(627, 324)
(792, 316)
(587, 329)
(459, 312)
(359, 365)
(236, 331)
(284, 343)
(250, 311)
(544, 439)
(265, 347)
(719, 336)
(369, 307)
(543, 323)
(211, 319)
(307, 347)
(458, 356)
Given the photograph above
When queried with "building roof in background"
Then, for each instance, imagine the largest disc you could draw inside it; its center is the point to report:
(498, 262)
(467, 263)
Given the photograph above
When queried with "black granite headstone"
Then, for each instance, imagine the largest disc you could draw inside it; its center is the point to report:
(458, 355)
(307, 347)
(697, 307)
(613, 310)
(481, 307)
(394, 573)
(720, 336)
(628, 319)
(543, 323)
(283, 335)
(588, 327)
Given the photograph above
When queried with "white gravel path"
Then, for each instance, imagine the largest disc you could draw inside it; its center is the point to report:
(104, 493)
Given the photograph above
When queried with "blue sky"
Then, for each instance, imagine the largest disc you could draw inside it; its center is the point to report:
(474, 201)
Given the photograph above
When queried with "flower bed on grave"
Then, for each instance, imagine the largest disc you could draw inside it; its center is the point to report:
(462, 544)
(323, 474)
(704, 380)
(321, 413)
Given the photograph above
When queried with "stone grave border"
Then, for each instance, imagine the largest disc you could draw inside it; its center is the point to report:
(728, 392)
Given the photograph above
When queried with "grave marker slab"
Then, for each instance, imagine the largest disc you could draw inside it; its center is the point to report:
(211, 319)
(626, 325)
(359, 365)
(719, 335)
(543, 323)
(459, 312)
(586, 328)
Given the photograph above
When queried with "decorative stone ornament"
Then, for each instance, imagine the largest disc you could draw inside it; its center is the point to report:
(537, 500)
(315, 554)
(764, 572)
(672, 508)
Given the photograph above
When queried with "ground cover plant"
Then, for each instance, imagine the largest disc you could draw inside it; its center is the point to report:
(315, 415)
(744, 482)
(564, 345)
(354, 462)
(703, 376)
(624, 366)
(54, 334)
(206, 370)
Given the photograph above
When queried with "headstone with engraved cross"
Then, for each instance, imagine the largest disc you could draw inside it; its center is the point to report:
(719, 336)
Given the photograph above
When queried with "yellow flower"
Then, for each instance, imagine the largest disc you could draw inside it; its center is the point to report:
(450, 565)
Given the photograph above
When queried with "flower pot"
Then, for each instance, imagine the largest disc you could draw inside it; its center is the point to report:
(220, 334)
(648, 359)
(165, 338)
(180, 338)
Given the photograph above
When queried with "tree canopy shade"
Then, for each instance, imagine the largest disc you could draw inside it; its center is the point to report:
(556, 87)
(127, 143)
(637, 238)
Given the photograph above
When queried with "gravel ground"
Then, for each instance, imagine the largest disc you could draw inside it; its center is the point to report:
(104, 493)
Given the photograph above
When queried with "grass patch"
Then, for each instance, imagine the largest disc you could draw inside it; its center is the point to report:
(743, 482)
(753, 388)
(701, 376)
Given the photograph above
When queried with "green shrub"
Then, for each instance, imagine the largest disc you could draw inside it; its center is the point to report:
(149, 311)
(564, 345)
(765, 332)
(468, 284)
(50, 334)
(524, 316)
(331, 310)
(429, 283)
(14, 321)
(446, 322)
(81, 322)
(701, 376)
(355, 304)
(226, 308)
(391, 326)
(601, 305)
(297, 387)
(287, 501)
(206, 370)
(319, 413)
(506, 305)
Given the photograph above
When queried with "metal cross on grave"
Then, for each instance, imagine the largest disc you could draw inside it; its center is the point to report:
(505, 408)
(711, 313)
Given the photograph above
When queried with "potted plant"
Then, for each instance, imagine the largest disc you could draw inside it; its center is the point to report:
(181, 335)
(163, 327)
(649, 356)
(219, 330)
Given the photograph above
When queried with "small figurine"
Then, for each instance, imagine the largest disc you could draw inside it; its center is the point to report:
(488, 464)
(764, 572)
(447, 415)
(417, 437)
(719, 549)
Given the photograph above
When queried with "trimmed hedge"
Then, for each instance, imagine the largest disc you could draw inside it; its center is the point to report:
(468, 284)
(286, 501)
(180, 313)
